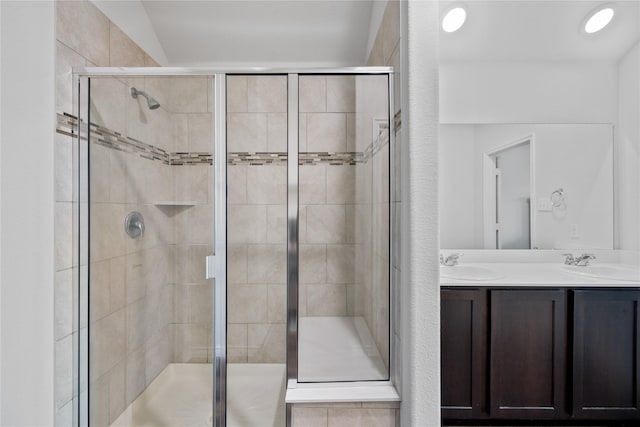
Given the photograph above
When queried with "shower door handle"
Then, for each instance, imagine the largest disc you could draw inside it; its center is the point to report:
(209, 266)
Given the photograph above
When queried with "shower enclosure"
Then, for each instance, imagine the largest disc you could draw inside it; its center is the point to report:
(234, 233)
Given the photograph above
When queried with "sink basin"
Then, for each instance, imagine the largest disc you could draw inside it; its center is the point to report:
(611, 272)
(469, 272)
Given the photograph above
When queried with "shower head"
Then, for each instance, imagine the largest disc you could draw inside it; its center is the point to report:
(151, 102)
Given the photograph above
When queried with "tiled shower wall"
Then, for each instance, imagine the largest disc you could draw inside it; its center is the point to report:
(256, 233)
(85, 37)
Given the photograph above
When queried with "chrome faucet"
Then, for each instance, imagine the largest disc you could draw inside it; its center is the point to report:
(584, 259)
(581, 261)
(451, 260)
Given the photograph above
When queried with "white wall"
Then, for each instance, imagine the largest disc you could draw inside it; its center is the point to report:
(528, 93)
(628, 151)
(27, 125)
(578, 158)
(456, 187)
(420, 317)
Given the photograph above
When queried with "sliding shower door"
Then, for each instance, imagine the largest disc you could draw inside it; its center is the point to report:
(147, 305)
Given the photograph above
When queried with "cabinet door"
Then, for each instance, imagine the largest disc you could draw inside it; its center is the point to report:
(606, 355)
(463, 353)
(527, 354)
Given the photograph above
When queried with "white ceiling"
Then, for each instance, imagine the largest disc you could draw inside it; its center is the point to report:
(262, 33)
(539, 31)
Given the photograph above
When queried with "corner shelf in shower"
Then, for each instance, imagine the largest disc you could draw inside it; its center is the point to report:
(174, 203)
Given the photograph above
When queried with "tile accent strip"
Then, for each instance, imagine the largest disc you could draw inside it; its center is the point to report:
(67, 123)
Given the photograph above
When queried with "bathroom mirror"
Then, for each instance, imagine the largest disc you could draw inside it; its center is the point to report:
(539, 128)
(526, 186)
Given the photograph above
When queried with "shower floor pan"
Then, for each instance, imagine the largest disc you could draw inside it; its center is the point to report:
(181, 397)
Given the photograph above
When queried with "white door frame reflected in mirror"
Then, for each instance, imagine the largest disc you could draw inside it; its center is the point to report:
(492, 189)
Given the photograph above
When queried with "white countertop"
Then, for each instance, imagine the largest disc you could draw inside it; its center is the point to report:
(538, 274)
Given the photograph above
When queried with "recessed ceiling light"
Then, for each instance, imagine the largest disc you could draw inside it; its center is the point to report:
(598, 19)
(454, 19)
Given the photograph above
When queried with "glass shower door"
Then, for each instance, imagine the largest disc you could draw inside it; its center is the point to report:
(147, 307)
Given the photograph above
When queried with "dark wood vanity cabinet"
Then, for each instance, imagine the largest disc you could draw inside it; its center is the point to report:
(540, 354)
(463, 352)
(606, 355)
(527, 354)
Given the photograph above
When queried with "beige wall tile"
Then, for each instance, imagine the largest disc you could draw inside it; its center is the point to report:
(190, 263)
(313, 94)
(99, 402)
(190, 343)
(160, 126)
(82, 27)
(64, 415)
(313, 184)
(63, 391)
(108, 96)
(66, 59)
(341, 94)
(150, 62)
(309, 417)
(276, 303)
(267, 343)
(194, 224)
(99, 284)
(236, 184)
(246, 303)
(267, 185)
(302, 133)
(267, 94)
(117, 391)
(236, 94)
(180, 132)
(277, 224)
(341, 263)
(64, 168)
(157, 356)
(237, 343)
(277, 132)
(266, 263)
(246, 132)
(118, 179)
(327, 300)
(64, 302)
(180, 309)
(201, 132)
(345, 417)
(160, 88)
(135, 375)
(123, 52)
(247, 224)
(188, 95)
(100, 173)
(313, 264)
(107, 232)
(236, 263)
(341, 184)
(107, 343)
(326, 223)
(326, 132)
(192, 183)
(201, 303)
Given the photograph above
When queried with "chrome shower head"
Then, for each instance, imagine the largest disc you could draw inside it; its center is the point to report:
(151, 102)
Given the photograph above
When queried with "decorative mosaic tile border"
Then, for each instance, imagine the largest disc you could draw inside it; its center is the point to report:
(67, 123)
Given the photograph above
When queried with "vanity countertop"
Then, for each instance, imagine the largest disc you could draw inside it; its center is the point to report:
(538, 274)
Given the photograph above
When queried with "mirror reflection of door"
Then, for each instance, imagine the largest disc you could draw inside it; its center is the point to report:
(510, 197)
